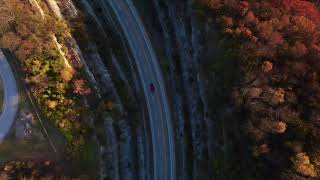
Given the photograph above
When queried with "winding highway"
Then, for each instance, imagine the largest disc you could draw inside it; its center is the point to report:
(10, 97)
(149, 71)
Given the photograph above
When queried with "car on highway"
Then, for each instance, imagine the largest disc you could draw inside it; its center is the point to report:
(152, 88)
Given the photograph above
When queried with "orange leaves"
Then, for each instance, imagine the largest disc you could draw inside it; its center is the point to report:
(298, 50)
(254, 92)
(305, 29)
(300, 7)
(80, 87)
(227, 21)
(244, 7)
(267, 31)
(303, 165)
(276, 38)
(264, 30)
(250, 17)
(274, 27)
(246, 32)
(267, 66)
(52, 104)
(285, 20)
(285, 99)
(303, 24)
(275, 97)
(279, 127)
(273, 127)
(66, 74)
(10, 40)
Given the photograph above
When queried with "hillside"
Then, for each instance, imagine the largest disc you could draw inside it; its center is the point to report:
(162, 89)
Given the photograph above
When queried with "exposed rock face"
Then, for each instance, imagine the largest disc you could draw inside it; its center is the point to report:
(68, 8)
(36, 5)
(110, 151)
(54, 7)
(61, 9)
(180, 27)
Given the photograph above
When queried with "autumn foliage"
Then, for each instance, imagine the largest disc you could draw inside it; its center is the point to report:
(80, 87)
(50, 80)
(279, 55)
(36, 169)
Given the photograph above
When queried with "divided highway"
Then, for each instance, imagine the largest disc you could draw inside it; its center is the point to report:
(10, 97)
(149, 72)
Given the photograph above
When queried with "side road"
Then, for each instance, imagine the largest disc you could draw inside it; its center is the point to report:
(10, 97)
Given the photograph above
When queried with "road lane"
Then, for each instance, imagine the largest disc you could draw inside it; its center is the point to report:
(10, 97)
(149, 71)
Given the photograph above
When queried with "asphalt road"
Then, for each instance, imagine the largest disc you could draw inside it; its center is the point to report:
(10, 97)
(149, 72)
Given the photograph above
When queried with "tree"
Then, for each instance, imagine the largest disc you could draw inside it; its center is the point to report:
(10, 40)
(52, 104)
(79, 87)
(66, 74)
(302, 165)
(277, 46)
(6, 17)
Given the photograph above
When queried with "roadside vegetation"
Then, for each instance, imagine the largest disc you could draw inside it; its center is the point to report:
(56, 84)
(29, 170)
(276, 44)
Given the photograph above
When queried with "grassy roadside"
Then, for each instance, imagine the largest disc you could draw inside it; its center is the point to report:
(47, 141)
(38, 145)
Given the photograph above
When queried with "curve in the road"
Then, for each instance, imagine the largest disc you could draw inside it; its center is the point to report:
(10, 97)
(149, 72)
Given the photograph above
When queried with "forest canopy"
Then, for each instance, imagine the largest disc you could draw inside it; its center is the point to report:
(279, 55)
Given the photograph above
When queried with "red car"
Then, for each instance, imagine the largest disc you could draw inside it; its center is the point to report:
(152, 88)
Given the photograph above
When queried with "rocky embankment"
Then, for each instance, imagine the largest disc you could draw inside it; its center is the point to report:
(182, 33)
(119, 130)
